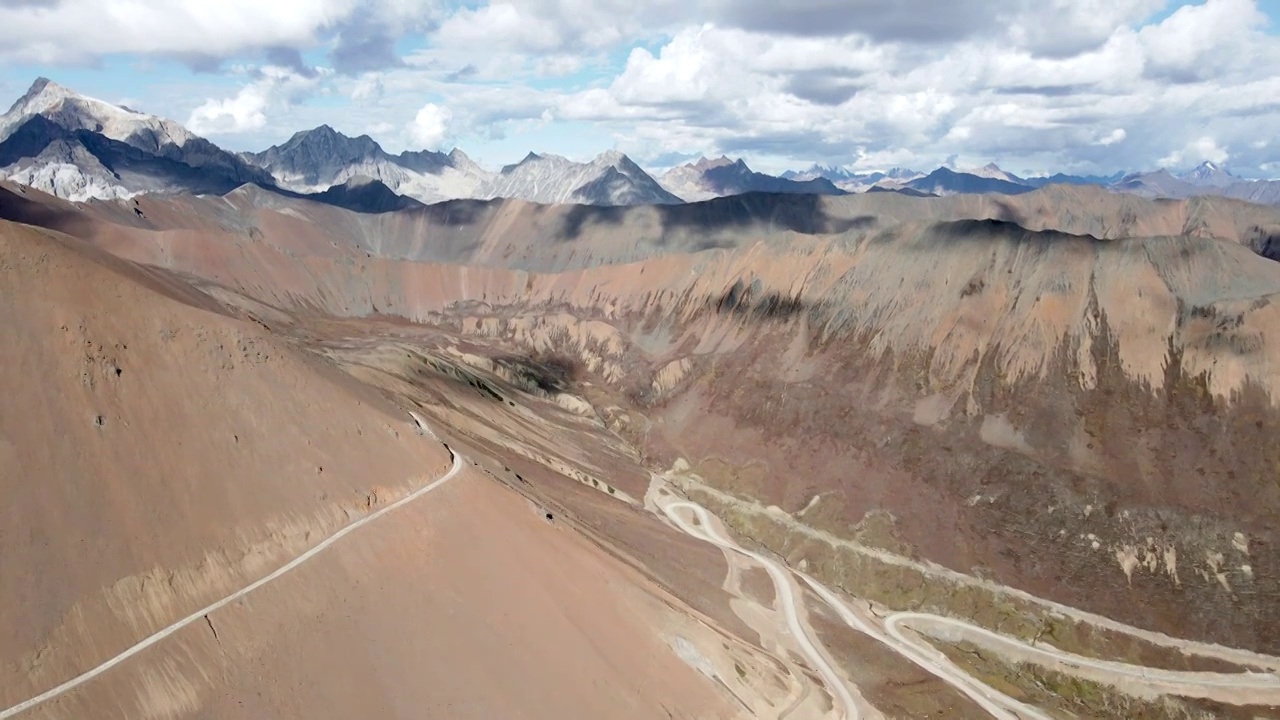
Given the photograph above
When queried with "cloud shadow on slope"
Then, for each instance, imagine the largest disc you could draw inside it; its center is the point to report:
(769, 212)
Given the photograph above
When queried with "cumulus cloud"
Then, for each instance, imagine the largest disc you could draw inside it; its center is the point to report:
(1078, 85)
(1115, 136)
(366, 39)
(78, 29)
(1096, 93)
(247, 110)
(369, 88)
(1202, 149)
(81, 31)
(545, 26)
(1065, 28)
(1198, 41)
(243, 113)
(430, 127)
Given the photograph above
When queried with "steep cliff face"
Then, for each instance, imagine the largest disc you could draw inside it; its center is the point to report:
(1066, 392)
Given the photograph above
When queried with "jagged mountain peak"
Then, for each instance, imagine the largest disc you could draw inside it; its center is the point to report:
(325, 139)
(612, 157)
(709, 178)
(948, 181)
(321, 158)
(37, 89)
(994, 172)
(722, 161)
(77, 146)
(610, 178)
(45, 93)
(74, 111)
(1209, 174)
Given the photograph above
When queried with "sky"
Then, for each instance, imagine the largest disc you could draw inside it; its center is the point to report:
(1037, 86)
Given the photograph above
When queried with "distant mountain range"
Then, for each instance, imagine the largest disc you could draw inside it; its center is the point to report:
(610, 179)
(79, 148)
(851, 181)
(318, 159)
(706, 179)
(1206, 179)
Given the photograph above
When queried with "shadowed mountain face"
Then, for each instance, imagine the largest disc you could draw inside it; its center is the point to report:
(706, 179)
(945, 181)
(319, 159)
(114, 168)
(101, 150)
(1067, 391)
(611, 179)
(1207, 179)
(365, 195)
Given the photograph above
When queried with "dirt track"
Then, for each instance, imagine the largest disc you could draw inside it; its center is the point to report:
(1242, 688)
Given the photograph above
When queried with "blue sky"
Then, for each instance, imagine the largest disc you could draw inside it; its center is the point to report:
(1037, 86)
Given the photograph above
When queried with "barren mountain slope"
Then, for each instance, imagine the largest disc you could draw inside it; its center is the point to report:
(1087, 420)
(160, 452)
(546, 238)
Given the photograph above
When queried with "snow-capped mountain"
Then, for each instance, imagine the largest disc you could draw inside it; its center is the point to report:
(852, 181)
(318, 159)
(73, 111)
(706, 179)
(1159, 183)
(992, 171)
(79, 148)
(609, 179)
(1207, 179)
(1207, 174)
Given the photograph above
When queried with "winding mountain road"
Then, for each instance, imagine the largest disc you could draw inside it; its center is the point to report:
(923, 654)
(1193, 683)
(785, 591)
(163, 633)
(998, 704)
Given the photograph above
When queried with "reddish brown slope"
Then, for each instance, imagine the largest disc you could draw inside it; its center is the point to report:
(1086, 419)
(157, 455)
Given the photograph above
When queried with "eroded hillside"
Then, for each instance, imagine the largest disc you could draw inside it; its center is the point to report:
(937, 403)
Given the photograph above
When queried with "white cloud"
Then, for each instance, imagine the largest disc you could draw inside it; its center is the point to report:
(1095, 94)
(247, 110)
(1198, 41)
(430, 127)
(557, 65)
(500, 24)
(73, 31)
(1197, 151)
(1115, 136)
(555, 26)
(86, 28)
(1065, 28)
(243, 113)
(1075, 85)
(368, 88)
